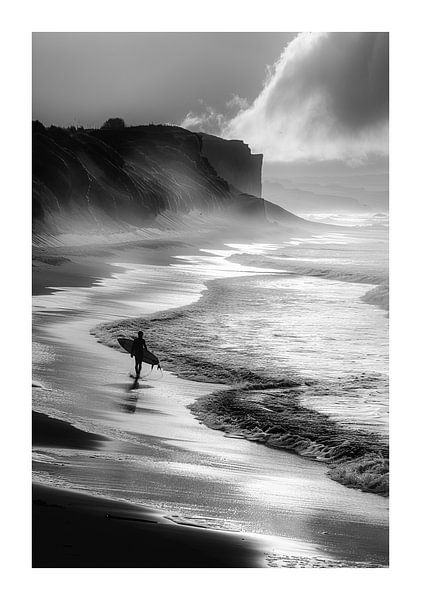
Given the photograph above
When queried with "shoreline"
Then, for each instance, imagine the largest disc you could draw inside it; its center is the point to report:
(72, 529)
(163, 434)
(356, 459)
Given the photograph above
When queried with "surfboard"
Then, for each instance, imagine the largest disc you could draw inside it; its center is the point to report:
(148, 357)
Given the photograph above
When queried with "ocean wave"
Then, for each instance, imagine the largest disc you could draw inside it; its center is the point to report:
(275, 418)
(191, 343)
(183, 356)
(298, 267)
(261, 404)
(379, 296)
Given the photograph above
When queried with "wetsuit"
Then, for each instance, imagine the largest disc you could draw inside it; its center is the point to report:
(137, 351)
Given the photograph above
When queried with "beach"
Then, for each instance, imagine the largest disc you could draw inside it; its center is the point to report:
(214, 498)
(78, 530)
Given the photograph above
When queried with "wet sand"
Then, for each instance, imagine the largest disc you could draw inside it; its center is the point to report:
(156, 454)
(50, 433)
(59, 267)
(76, 530)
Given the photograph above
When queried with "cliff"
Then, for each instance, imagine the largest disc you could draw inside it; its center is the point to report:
(234, 162)
(108, 178)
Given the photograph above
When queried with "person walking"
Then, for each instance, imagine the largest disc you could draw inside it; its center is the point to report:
(138, 347)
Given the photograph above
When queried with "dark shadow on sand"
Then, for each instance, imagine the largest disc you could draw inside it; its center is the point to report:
(53, 433)
(76, 530)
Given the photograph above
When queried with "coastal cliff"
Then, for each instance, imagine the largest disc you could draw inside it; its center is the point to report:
(89, 179)
(233, 160)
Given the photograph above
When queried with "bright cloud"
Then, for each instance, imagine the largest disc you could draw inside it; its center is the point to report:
(326, 98)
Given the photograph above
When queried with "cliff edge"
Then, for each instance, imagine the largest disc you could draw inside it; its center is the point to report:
(234, 162)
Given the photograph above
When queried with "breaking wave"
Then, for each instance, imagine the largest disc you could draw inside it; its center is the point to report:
(275, 418)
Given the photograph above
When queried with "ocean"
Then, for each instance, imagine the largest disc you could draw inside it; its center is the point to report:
(321, 317)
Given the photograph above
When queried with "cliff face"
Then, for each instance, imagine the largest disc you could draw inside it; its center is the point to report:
(99, 178)
(233, 160)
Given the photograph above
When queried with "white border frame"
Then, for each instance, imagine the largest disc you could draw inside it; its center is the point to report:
(361, 15)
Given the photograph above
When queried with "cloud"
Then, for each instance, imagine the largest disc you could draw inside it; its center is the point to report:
(326, 98)
(208, 121)
(238, 103)
(211, 121)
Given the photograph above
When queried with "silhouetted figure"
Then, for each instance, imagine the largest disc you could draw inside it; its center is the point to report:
(137, 352)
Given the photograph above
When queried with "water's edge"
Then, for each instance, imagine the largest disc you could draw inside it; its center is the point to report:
(259, 408)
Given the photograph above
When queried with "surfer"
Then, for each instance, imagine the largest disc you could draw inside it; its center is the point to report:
(138, 347)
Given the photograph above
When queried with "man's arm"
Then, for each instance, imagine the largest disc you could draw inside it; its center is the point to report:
(133, 348)
(144, 345)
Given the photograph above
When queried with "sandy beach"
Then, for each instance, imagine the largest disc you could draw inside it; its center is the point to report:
(77, 530)
(149, 457)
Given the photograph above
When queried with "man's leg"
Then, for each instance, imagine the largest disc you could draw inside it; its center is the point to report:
(137, 367)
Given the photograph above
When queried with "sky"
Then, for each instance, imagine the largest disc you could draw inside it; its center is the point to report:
(85, 78)
(299, 98)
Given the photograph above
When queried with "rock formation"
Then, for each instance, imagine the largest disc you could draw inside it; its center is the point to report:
(97, 178)
(233, 160)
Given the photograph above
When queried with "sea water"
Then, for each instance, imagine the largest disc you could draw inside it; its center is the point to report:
(316, 312)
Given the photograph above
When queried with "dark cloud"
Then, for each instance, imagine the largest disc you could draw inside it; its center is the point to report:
(349, 70)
